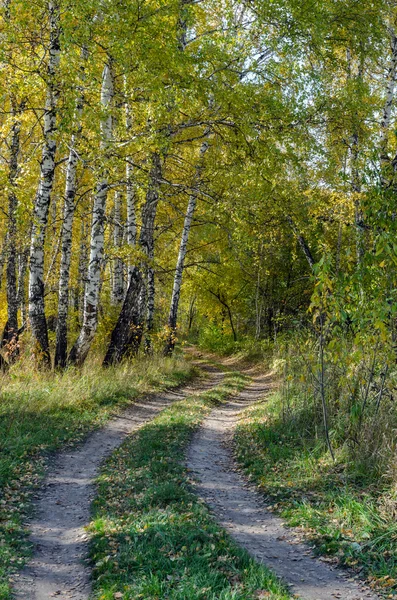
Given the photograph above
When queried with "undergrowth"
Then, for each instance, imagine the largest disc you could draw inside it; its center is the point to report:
(43, 412)
(216, 339)
(348, 512)
(152, 538)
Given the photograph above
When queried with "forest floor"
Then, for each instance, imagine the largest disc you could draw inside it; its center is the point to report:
(151, 536)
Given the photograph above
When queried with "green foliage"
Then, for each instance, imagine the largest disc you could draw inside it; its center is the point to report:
(216, 339)
(347, 513)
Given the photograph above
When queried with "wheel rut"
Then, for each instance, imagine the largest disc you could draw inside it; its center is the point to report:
(59, 566)
(241, 510)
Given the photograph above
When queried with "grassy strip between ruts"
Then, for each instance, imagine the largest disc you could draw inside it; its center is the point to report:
(43, 412)
(348, 518)
(152, 537)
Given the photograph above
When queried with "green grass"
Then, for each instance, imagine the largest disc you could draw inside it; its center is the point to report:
(349, 515)
(41, 412)
(152, 538)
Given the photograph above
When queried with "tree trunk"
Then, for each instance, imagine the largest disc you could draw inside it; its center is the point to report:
(387, 109)
(192, 313)
(176, 290)
(21, 296)
(127, 334)
(259, 299)
(227, 310)
(79, 352)
(42, 204)
(130, 192)
(302, 243)
(12, 293)
(358, 213)
(151, 294)
(67, 230)
(66, 253)
(117, 295)
(82, 271)
(355, 174)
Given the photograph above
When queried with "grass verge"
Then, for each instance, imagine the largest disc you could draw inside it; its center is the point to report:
(43, 412)
(152, 537)
(348, 517)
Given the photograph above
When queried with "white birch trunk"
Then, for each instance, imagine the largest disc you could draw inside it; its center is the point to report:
(43, 197)
(67, 229)
(130, 192)
(117, 296)
(127, 333)
(390, 91)
(146, 241)
(81, 348)
(66, 253)
(176, 290)
(150, 301)
(23, 260)
(83, 260)
(12, 295)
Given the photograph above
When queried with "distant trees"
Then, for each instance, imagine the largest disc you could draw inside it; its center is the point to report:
(199, 151)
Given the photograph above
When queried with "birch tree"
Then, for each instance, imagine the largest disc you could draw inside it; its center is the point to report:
(117, 294)
(81, 348)
(12, 293)
(127, 334)
(67, 229)
(42, 203)
(176, 290)
(131, 225)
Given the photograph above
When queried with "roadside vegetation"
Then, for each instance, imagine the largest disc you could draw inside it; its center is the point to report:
(346, 505)
(42, 412)
(152, 537)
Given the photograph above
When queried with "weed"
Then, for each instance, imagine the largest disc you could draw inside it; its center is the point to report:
(342, 509)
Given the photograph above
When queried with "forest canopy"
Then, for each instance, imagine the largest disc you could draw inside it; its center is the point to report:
(222, 169)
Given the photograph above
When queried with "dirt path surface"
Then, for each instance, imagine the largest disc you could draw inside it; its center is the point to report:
(62, 510)
(242, 511)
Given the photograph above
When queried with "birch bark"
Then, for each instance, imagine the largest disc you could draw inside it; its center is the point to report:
(146, 242)
(83, 260)
(42, 203)
(67, 230)
(21, 295)
(387, 109)
(130, 192)
(151, 294)
(117, 296)
(176, 290)
(127, 334)
(12, 294)
(11, 329)
(79, 352)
